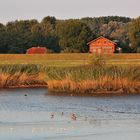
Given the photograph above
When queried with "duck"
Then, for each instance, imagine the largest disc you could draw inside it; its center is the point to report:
(73, 117)
(52, 116)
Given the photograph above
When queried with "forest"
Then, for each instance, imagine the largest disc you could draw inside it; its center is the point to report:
(69, 36)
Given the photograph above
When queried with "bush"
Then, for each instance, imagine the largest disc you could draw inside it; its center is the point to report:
(97, 61)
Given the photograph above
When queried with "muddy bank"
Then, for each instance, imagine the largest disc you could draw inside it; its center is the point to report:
(26, 86)
(80, 91)
(94, 94)
(90, 93)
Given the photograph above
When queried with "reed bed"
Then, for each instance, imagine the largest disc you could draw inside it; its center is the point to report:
(91, 87)
(87, 79)
(21, 76)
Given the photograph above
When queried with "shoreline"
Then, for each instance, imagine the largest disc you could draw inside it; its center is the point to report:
(25, 86)
(94, 94)
(72, 94)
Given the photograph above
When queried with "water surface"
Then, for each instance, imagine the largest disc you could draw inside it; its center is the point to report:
(26, 114)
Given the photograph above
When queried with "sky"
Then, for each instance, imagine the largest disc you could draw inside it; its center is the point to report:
(11, 10)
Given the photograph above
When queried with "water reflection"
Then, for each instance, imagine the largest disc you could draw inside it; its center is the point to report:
(37, 116)
(74, 128)
(98, 123)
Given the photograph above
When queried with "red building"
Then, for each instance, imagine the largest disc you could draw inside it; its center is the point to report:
(102, 45)
(37, 50)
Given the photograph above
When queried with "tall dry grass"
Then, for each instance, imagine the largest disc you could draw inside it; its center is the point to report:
(21, 76)
(91, 79)
(94, 86)
(82, 79)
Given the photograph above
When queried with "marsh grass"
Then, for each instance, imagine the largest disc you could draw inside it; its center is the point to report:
(93, 86)
(89, 79)
(20, 76)
(85, 79)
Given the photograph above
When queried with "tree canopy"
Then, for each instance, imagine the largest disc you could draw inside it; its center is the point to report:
(73, 36)
(68, 35)
(134, 34)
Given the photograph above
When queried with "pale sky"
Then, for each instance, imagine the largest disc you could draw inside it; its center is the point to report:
(11, 10)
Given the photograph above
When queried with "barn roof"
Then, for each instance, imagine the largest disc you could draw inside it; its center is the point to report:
(100, 38)
(36, 50)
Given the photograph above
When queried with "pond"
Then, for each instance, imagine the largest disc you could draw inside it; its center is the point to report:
(32, 114)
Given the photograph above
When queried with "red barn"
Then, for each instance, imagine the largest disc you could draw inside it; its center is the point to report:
(102, 45)
(37, 50)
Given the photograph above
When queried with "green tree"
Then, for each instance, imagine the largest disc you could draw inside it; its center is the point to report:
(73, 35)
(19, 35)
(50, 39)
(134, 34)
(3, 42)
(37, 35)
(67, 35)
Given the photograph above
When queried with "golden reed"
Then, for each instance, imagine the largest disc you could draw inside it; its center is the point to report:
(82, 80)
(103, 85)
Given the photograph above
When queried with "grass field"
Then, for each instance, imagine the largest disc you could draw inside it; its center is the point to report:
(73, 59)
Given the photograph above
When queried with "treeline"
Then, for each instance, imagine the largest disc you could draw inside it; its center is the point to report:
(69, 35)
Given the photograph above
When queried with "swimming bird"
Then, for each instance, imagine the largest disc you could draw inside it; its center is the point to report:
(52, 116)
(62, 113)
(73, 117)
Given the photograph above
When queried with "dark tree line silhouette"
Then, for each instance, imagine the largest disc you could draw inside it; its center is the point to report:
(69, 35)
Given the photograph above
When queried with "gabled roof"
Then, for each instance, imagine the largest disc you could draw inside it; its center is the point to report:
(100, 38)
(38, 48)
